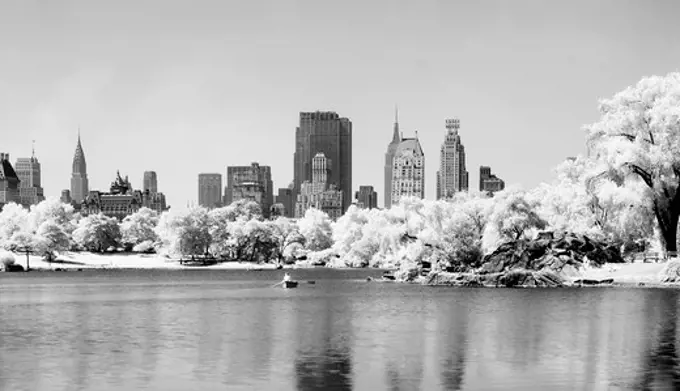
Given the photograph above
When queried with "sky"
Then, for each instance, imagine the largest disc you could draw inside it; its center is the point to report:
(185, 87)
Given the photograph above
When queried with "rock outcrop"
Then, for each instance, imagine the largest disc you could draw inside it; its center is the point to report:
(510, 279)
(670, 273)
(562, 255)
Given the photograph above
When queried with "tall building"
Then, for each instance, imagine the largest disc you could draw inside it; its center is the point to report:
(320, 193)
(28, 171)
(366, 197)
(79, 183)
(489, 182)
(330, 134)
(408, 171)
(452, 176)
(210, 190)
(150, 181)
(286, 199)
(9, 181)
(65, 196)
(253, 182)
(122, 200)
(389, 160)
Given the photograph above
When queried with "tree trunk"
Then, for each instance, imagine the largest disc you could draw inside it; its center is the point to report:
(668, 224)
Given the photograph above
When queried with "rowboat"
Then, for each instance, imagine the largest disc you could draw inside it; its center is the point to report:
(290, 284)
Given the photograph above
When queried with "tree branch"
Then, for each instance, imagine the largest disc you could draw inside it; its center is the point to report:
(646, 177)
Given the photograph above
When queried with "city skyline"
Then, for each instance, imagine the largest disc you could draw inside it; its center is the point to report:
(201, 95)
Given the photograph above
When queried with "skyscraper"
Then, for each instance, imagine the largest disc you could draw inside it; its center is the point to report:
(210, 190)
(28, 171)
(150, 181)
(320, 193)
(327, 133)
(389, 160)
(366, 197)
(79, 183)
(252, 182)
(489, 182)
(452, 176)
(408, 171)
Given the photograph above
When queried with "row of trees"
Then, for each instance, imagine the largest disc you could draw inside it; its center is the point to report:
(626, 190)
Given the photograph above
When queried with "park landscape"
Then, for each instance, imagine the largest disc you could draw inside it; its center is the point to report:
(600, 211)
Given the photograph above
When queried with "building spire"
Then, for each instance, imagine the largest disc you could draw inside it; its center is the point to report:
(396, 137)
(33, 150)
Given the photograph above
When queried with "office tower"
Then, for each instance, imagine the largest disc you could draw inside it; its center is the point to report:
(9, 181)
(253, 182)
(366, 197)
(408, 171)
(452, 176)
(330, 134)
(65, 196)
(286, 199)
(28, 171)
(389, 160)
(79, 182)
(320, 193)
(150, 181)
(210, 190)
(489, 182)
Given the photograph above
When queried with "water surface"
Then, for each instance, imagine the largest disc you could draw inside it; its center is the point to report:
(217, 330)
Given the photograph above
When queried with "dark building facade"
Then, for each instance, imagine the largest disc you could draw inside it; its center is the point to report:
(122, 200)
(150, 181)
(489, 182)
(210, 190)
(9, 182)
(287, 200)
(330, 134)
(253, 182)
(366, 197)
(79, 181)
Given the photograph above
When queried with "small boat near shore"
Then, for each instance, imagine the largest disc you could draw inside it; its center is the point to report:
(290, 284)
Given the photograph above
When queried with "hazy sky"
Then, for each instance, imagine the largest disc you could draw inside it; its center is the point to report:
(183, 87)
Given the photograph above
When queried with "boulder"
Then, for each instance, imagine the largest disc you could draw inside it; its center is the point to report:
(670, 272)
(530, 278)
(407, 274)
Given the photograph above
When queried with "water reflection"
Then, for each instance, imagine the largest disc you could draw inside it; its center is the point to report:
(340, 335)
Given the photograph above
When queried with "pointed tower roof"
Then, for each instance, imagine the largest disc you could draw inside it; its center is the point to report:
(79, 165)
(396, 136)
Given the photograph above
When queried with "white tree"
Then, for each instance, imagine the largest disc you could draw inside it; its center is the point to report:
(513, 214)
(13, 226)
(186, 233)
(52, 209)
(286, 233)
(138, 230)
(638, 139)
(97, 232)
(51, 237)
(315, 226)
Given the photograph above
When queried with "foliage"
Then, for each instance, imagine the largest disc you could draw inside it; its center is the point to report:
(6, 259)
(513, 215)
(51, 237)
(316, 228)
(139, 228)
(637, 139)
(185, 233)
(13, 226)
(97, 233)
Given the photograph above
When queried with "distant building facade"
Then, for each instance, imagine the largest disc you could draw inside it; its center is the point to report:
(330, 134)
(150, 181)
(252, 182)
(210, 190)
(319, 193)
(79, 182)
(286, 199)
(65, 196)
(489, 182)
(122, 200)
(452, 176)
(366, 197)
(9, 182)
(408, 171)
(30, 190)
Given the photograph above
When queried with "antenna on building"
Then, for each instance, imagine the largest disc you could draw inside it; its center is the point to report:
(33, 150)
(416, 134)
(396, 114)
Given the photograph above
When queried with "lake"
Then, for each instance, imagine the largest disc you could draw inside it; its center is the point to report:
(231, 330)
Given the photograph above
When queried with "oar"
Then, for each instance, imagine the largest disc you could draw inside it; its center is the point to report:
(277, 284)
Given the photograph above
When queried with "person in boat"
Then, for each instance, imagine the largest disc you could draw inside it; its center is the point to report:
(286, 277)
